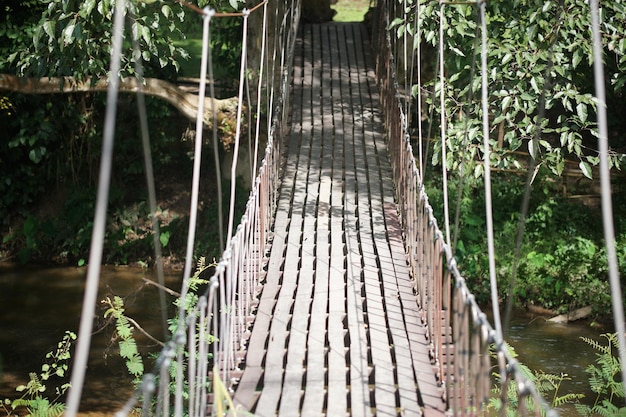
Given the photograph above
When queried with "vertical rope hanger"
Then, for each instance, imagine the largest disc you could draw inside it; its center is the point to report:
(193, 210)
(605, 182)
(97, 237)
(416, 54)
(487, 166)
(258, 93)
(148, 166)
(443, 123)
(233, 169)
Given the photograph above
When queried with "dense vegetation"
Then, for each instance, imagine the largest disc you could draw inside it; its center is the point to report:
(50, 152)
(543, 119)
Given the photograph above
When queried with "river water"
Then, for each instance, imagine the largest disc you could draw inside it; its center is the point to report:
(40, 304)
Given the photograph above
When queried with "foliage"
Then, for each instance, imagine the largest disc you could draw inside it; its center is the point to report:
(50, 154)
(125, 330)
(547, 385)
(535, 48)
(563, 262)
(73, 38)
(33, 399)
(127, 343)
(605, 379)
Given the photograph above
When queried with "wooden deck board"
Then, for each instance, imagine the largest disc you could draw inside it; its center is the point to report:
(338, 330)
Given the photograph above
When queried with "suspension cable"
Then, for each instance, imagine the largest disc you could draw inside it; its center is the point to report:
(216, 152)
(233, 169)
(443, 124)
(99, 224)
(487, 167)
(259, 91)
(605, 182)
(152, 201)
(193, 210)
(416, 54)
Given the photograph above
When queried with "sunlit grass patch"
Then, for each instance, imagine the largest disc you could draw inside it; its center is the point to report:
(350, 10)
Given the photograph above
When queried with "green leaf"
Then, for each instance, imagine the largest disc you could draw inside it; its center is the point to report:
(581, 111)
(506, 101)
(48, 27)
(166, 10)
(164, 238)
(68, 34)
(585, 168)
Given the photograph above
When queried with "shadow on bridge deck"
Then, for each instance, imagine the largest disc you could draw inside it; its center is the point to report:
(338, 330)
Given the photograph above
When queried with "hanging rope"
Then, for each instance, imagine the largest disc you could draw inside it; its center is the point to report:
(444, 157)
(216, 152)
(99, 224)
(233, 170)
(416, 54)
(258, 93)
(179, 337)
(487, 166)
(605, 183)
(147, 154)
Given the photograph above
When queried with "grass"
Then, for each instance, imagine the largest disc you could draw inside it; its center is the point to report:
(350, 10)
(347, 11)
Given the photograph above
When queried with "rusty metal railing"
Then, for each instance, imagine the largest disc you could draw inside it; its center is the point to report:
(463, 345)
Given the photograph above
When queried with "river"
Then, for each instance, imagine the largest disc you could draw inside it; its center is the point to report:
(39, 304)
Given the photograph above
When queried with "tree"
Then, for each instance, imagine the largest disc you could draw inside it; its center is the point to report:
(535, 48)
(54, 59)
(70, 43)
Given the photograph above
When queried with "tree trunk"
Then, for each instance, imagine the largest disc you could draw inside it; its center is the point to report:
(186, 103)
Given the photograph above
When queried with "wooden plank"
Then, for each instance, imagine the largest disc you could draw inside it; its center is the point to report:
(359, 366)
(394, 253)
(337, 398)
(296, 351)
(337, 312)
(298, 161)
(315, 389)
(246, 393)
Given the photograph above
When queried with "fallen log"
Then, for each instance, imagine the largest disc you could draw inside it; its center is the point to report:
(573, 315)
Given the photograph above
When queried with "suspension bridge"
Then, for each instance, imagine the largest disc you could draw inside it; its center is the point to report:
(337, 293)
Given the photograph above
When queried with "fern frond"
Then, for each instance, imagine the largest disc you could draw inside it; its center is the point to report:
(569, 398)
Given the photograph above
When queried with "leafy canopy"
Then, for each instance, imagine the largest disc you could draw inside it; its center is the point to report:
(535, 48)
(52, 38)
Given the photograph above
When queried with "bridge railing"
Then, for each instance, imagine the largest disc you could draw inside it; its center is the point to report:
(216, 327)
(463, 345)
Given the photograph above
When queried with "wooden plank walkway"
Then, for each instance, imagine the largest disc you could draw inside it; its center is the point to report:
(337, 331)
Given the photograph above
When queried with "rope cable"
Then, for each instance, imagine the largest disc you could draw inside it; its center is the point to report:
(605, 183)
(487, 167)
(233, 169)
(461, 184)
(259, 91)
(444, 157)
(148, 166)
(249, 124)
(216, 153)
(416, 54)
(193, 210)
(405, 62)
(79, 366)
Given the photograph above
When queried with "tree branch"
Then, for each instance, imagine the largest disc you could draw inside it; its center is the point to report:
(185, 102)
